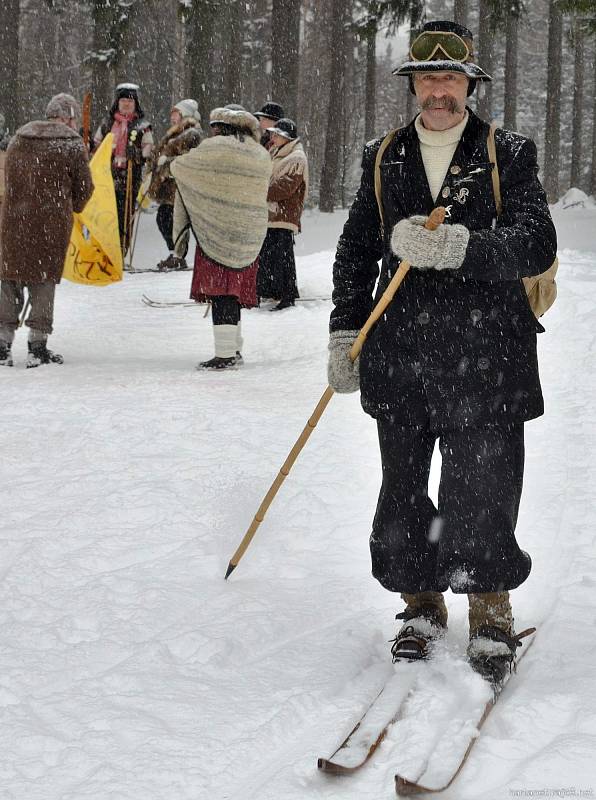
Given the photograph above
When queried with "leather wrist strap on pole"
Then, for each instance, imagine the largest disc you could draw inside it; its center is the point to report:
(436, 218)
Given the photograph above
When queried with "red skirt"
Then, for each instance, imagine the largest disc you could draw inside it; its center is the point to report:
(210, 279)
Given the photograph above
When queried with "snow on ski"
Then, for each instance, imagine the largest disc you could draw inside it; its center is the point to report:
(371, 728)
(467, 701)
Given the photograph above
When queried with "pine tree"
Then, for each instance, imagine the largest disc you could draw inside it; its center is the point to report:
(329, 172)
(553, 102)
(285, 53)
(9, 63)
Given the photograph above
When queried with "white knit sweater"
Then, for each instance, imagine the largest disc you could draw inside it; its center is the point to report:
(437, 149)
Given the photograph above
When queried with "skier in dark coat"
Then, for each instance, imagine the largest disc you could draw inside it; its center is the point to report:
(454, 356)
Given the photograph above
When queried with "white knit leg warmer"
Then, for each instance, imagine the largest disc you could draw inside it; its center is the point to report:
(239, 339)
(225, 337)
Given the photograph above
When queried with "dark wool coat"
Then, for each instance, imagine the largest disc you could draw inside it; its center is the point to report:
(47, 178)
(455, 347)
(178, 140)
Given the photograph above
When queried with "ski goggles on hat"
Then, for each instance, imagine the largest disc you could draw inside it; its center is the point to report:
(438, 46)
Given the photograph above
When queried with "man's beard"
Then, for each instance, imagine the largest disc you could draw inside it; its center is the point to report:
(448, 102)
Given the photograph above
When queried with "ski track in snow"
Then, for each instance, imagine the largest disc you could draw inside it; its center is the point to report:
(130, 669)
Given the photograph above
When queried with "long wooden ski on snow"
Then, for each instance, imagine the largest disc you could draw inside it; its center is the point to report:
(448, 757)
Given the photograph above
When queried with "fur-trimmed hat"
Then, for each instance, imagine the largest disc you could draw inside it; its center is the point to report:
(285, 127)
(63, 105)
(130, 90)
(188, 108)
(443, 46)
(236, 116)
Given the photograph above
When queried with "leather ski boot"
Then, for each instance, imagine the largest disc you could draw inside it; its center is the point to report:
(425, 621)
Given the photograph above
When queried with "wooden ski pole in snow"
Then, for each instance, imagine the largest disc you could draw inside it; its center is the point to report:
(436, 218)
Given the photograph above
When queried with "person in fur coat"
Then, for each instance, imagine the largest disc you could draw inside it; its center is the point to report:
(288, 188)
(184, 134)
(47, 179)
(222, 198)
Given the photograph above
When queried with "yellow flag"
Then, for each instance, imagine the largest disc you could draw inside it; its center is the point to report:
(143, 199)
(94, 255)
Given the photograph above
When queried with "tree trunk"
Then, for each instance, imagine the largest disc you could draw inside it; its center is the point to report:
(578, 103)
(553, 103)
(411, 98)
(233, 57)
(180, 82)
(593, 172)
(460, 12)
(102, 74)
(511, 54)
(285, 54)
(335, 115)
(486, 59)
(370, 97)
(9, 64)
(199, 53)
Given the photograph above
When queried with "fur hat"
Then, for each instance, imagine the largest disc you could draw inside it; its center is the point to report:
(188, 108)
(64, 106)
(130, 90)
(441, 57)
(238, 117)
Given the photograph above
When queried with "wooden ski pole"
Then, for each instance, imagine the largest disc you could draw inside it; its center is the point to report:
(436, 218)
(127, 198)
(135, 232)
(86, 120)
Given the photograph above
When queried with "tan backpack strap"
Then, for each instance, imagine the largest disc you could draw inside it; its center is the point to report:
(378, 189)
(492, 154)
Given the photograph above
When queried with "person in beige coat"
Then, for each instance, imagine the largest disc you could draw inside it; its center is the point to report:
(47, 179)
(288, 188)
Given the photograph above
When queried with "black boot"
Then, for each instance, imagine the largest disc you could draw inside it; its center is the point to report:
(282, 305)
(423, 626)
(492, 652)
(39, 354)
(219, 363)
(5, 354)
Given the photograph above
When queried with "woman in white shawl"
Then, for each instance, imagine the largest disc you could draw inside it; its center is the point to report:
(222, 197)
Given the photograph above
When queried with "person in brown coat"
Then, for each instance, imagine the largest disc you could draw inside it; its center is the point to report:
(287, 192)
(47, 179)
(184, 134)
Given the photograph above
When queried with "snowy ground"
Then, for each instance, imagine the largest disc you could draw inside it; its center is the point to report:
(130, 669)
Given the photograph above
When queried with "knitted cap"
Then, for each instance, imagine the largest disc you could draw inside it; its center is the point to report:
(63, 105)
(188, 108)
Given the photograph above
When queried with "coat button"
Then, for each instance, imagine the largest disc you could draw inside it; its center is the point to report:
(446, 192)
(423, 318)
(475, 315)
(483, 363)
(455, 170)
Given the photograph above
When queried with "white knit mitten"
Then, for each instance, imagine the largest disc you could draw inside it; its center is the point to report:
(343, 374)
(443, 248)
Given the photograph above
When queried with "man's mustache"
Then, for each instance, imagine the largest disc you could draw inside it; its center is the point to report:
(448, 102)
